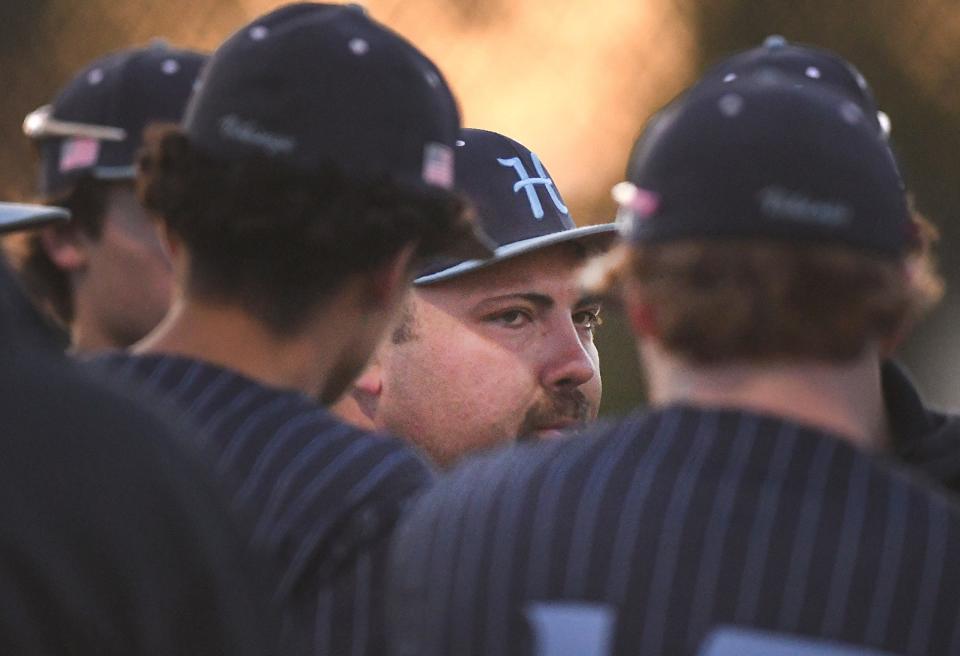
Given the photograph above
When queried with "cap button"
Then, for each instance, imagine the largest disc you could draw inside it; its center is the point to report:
(774, 42)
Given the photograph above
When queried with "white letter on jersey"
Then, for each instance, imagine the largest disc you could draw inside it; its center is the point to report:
(568, 629)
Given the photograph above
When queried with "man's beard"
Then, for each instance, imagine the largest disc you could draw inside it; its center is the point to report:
(560, 408)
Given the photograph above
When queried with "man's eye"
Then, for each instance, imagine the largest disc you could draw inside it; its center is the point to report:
(511, 318)
(589, 319)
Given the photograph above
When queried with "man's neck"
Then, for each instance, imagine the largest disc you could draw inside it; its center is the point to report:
(85, 340)
(227, 336)
(844, 399)
(88, 333)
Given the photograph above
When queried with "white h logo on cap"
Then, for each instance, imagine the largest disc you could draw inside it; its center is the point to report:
(527, 184)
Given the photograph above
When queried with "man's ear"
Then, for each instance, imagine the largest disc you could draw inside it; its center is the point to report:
(643, 320)
(66, 247)
(640, 313)
(171, 243)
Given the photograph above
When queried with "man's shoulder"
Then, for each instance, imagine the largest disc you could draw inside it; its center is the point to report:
(923, 437)
(703, 446)
(237, 412)
(85, 402)
(303, 481)
(546, 463)
(628, 439)
(665, 508)
(75, 448)
(157, 370)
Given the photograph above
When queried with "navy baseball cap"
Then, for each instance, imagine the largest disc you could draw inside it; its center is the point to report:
(517, 203)
(313, 86)
(809, 65)
(761, 157)
(19, 216)
(95, 124)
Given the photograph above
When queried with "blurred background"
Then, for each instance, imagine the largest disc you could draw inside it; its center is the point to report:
(575, 80)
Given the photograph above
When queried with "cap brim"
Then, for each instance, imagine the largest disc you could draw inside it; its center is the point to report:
(19, 216)
(603, 234)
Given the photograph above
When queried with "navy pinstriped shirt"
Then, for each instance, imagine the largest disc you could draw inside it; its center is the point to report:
(317, 496)
(670, 524)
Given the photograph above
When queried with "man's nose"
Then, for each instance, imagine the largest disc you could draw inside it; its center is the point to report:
(567, 362)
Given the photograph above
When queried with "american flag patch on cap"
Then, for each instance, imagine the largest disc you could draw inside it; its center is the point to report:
(78, 153)
(438, 165)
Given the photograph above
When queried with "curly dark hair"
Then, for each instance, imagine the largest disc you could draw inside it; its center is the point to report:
(277, 241)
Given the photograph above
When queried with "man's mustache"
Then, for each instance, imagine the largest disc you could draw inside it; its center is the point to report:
(559, 409)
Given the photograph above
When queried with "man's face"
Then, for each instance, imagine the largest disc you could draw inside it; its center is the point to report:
(498, 353)
(125, 287)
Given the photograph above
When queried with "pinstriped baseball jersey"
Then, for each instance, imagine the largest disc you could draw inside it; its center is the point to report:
(316, 495)
(670, 524)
